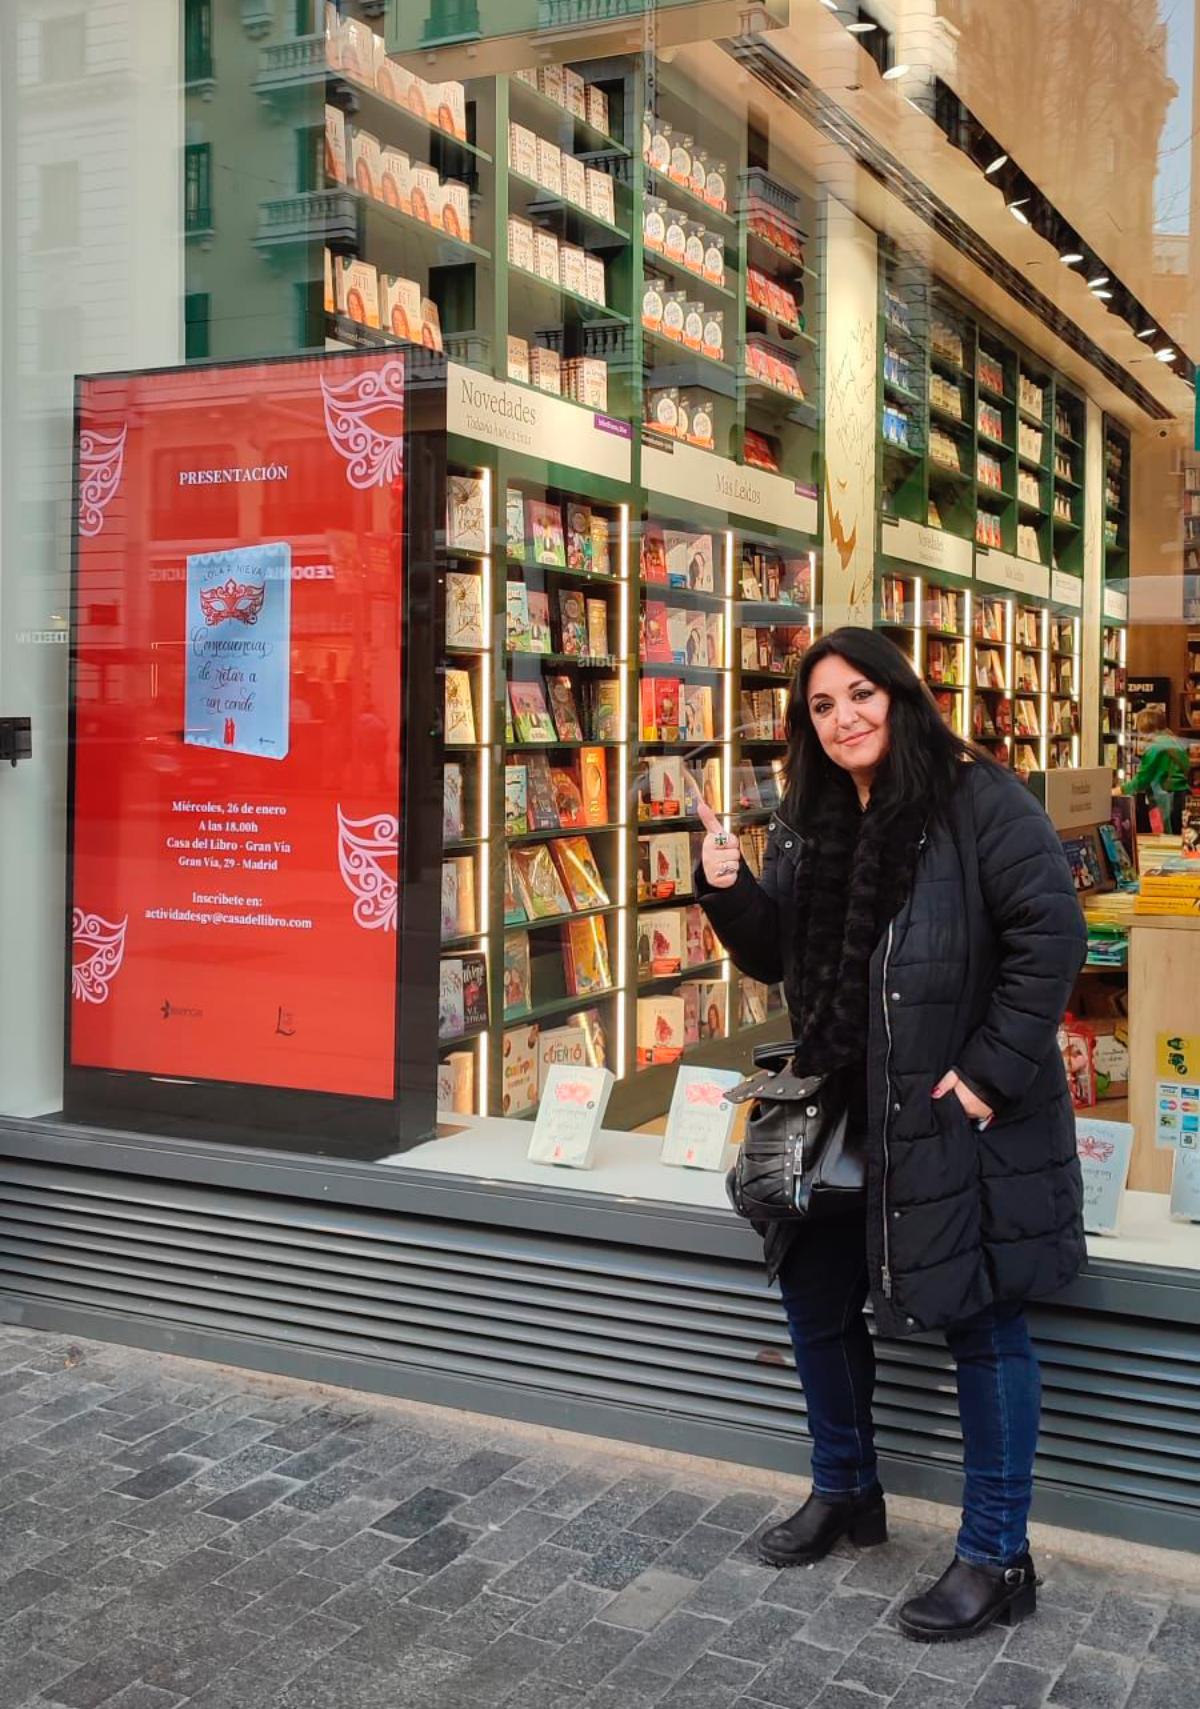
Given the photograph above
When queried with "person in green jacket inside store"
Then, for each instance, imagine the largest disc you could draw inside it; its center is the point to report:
(1163, 773)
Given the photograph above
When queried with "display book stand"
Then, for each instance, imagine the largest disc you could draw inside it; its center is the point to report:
(587, 710)
(981, 475)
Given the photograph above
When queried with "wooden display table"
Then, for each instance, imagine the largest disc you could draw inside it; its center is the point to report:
(1164, 996)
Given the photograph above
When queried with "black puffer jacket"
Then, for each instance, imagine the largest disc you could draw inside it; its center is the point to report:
(974, 974)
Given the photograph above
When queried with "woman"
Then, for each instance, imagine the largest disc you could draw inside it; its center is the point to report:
(917, 906)
(1163, 773)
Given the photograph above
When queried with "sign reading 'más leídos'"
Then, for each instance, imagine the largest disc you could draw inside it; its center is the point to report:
(237, 723)
(1021, 575)
(933, 548)
(537, 424)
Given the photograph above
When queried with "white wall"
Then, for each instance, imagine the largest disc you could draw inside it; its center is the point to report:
(109, 295)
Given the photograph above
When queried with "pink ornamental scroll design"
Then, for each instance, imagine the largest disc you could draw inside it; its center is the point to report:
(101, 463)
(356, 413)
(104, 942)
(364, 845)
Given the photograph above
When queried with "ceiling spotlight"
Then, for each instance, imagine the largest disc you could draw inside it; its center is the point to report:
(1104, 296)
(832, 5)
(895, 71)
(1102, 280)
(1164, 355)
(860, 29)
(1018, 212)
(1000, 160)
(1071, 258)
(1148, 332)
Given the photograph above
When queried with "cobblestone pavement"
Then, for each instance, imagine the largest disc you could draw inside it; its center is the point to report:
(173, 1533)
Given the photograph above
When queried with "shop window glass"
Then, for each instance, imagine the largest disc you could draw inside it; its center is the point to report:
(843, 393)
(64, 48)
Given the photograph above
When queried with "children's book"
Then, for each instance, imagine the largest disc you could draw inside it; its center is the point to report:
(564, 710)
(653, 554)
(538, 884)
(579, 537)
(604, 710)
(516, 974)
(519, 1071)
(475, 991)
(516, 602)
(514, 524)
(601, 559)
(516, 800)
(543, 813)
(531, 718)
(597, 628)
(572, 612)
(514, 911)
(568, 798)
(577, 864)
(539, 621)
(451, 1012)
(544, 527)
(593, 784)
(586, 957)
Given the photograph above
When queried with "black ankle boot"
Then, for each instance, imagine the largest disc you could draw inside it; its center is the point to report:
(967, 1598)
(823, 1521)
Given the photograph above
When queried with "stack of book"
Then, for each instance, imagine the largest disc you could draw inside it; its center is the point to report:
(1172, 886)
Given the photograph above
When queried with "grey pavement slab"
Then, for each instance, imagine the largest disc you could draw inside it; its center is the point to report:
(183, 1537)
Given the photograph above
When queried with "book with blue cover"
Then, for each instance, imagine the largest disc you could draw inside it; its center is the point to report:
(238, 688)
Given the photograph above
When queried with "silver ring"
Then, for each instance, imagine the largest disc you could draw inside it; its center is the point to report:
(730, 866)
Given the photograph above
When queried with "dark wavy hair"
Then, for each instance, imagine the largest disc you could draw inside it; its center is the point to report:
(923, 761)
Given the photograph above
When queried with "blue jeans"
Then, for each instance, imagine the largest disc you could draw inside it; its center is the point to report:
(824, 1285)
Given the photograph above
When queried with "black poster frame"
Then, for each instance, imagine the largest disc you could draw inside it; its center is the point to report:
(292, 1118)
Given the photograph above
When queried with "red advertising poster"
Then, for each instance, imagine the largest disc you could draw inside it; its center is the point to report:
(237, 723)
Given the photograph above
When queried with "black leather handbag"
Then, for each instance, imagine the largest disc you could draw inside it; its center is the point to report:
(798, 1159)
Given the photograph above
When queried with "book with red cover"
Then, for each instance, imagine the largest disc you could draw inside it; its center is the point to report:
(653, 554)
(666, 708)
(655, 637)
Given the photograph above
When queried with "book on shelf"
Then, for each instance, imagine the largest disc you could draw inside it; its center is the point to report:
(365, 164)
(572, 614)
(538, 603)
(603, 701)
(451, 1011)
(661, 786)
(677, 634)
(466, 518)
(660, 697)
(514, 524)
(514, 910)
(564, 710)
(356, 290)
(531, 716)
(577, 867)
(713, 1004)
(516, 979)
(449, 899)
(655, 638)
(335, 145)
(538, 884)
(519, 1071)
(543, 811)
(665, 928)
(697, 711)
(475, 991)
(464, 609)
(653, 554)
(696, 644)
(516, 607)
(456, 1083)
(460, 709)
(568, 797)
(516, 800)
(714, 627)
(689, 560)
(544, 526)
(586, 958)
(670, 863)
(458, 896)
(601, 557)
(593, 782)
(753, 1003)
(452, 802)
(578, 1043)
(795, 581)
(660, 1030)
(597, 628)
(693, 936)
(989, 668)
(579, 537)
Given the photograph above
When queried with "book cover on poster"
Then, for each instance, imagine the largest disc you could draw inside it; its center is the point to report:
(237, 692)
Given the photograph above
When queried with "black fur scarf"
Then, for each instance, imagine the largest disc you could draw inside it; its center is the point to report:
(855, 875)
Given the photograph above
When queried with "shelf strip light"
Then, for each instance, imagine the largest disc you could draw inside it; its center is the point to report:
(968, 668)
(485, 782)
(1045, 694)
(619, 1065)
